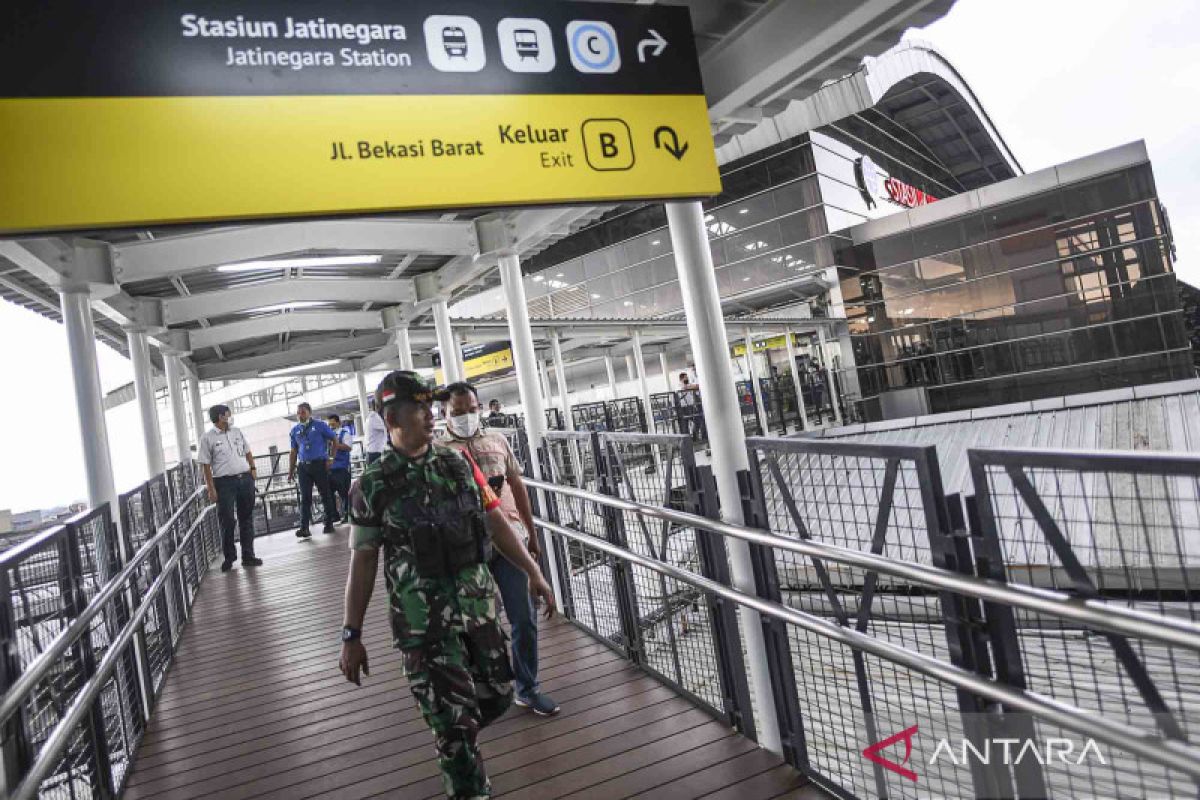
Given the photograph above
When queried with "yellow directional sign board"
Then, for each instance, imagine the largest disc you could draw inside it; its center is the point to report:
(169, 111)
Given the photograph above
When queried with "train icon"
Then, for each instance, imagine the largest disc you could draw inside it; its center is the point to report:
(454, 41)
(526, 41)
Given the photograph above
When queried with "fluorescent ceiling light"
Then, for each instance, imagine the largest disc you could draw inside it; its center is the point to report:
(311, 261)
(299, 367)
(286, 306)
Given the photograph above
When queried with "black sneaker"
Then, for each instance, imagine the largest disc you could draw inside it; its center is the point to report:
(329, 528)
(539, 704)
(251, 562)
(303, 533)
(226, 565)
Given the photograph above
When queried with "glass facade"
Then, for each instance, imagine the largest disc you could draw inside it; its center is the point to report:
(1064, 292)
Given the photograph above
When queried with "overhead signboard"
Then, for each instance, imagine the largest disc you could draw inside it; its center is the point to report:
(480, 361)
(169, 111)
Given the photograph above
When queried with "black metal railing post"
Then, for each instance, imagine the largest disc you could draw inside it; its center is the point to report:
(15, 753)
(775, 636)
(714, 564)
(84, 654)
(607, 482)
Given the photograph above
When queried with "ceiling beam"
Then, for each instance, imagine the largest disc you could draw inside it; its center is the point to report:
(284, 322)
(177, 310)
(162, 258)
(256, 365)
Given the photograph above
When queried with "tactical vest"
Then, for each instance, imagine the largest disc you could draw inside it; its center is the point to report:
(444, 531)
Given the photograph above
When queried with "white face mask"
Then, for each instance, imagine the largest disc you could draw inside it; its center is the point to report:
(464, 426)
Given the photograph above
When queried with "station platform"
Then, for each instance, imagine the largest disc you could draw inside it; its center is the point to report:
(255, 707)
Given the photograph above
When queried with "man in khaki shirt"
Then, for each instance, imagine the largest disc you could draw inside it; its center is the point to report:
(464, 431)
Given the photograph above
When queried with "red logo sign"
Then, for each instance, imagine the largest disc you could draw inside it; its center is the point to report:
(905, 195)
(872, 753)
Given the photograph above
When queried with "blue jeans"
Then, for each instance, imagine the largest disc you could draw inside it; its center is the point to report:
(522, 619)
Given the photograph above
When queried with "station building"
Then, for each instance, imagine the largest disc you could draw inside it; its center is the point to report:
(889, 200)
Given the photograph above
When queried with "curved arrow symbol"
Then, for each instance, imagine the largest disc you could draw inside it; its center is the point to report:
(672, 145)
(656, 41)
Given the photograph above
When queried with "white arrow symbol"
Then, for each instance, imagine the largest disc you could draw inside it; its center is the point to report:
(656, 41)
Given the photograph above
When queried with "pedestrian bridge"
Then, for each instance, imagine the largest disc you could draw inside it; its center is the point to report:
(858, 604)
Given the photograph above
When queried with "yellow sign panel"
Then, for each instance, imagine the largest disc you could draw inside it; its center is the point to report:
(97, 162)
(482, 365)
(762, 345)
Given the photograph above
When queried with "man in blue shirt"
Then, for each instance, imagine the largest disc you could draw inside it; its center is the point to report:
(310, 447)
(339, 468)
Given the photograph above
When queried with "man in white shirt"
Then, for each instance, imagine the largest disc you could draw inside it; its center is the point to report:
(229, 474)
(376, 436)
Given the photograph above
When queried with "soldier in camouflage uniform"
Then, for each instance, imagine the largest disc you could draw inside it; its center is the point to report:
(434, 516)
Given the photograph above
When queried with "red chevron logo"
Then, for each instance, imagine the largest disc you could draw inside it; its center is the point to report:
(872, 753)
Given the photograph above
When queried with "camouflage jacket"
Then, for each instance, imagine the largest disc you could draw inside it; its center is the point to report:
(421, 489)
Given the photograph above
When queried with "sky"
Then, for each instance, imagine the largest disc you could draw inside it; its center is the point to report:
(1060, 79)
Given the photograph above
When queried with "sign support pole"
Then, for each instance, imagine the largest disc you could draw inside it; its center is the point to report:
(706, 330)
(612, 375)
(560, 372)
(525, 360)
(447, 345)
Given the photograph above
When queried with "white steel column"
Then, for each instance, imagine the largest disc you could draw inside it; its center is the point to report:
(832, 387)
(364, 408)
(666, 371)
(143, 386)
(706, 330)
(89, 400)
(174, 367)
(639, 361)
(447, 344)
(612, 375)
(199, 413)
(560, 371)
(544, 382)
(525, 361)
(791, 354)
(630, 370)
(760, 405)
(404, 345)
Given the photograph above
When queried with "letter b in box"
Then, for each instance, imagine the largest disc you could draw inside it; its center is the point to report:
(608, 144)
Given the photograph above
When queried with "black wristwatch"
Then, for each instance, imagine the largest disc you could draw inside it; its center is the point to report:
(351, 634)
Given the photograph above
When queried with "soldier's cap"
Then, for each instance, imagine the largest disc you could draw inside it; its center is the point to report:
(403, 385)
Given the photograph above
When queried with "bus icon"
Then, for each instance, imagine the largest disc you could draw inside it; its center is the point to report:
(526, 41)
(526, 44)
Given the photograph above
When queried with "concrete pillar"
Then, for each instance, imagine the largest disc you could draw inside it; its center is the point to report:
(612, 375)
(706, 330)
(760, 405)
(404, 345)
(143, 385)
(199, 412)
(639, 361)
(525, 361)
(797, 383)
(174, 365)
(364, 408)
(447, 344)
(89, 400)
(834, 400)
(560, 371)
(666, 371)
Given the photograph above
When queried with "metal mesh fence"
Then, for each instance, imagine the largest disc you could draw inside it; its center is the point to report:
(1125, 528)
(876, 499)
(674, 630)
(50, 581)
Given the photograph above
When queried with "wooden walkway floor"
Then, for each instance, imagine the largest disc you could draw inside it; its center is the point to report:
(255, 707)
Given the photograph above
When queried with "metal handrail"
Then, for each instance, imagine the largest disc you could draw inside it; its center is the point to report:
(1091, 612)
(37, 669)
(1168, 752)
(65, 729)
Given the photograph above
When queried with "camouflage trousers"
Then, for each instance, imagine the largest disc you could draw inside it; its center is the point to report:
(460, 675)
